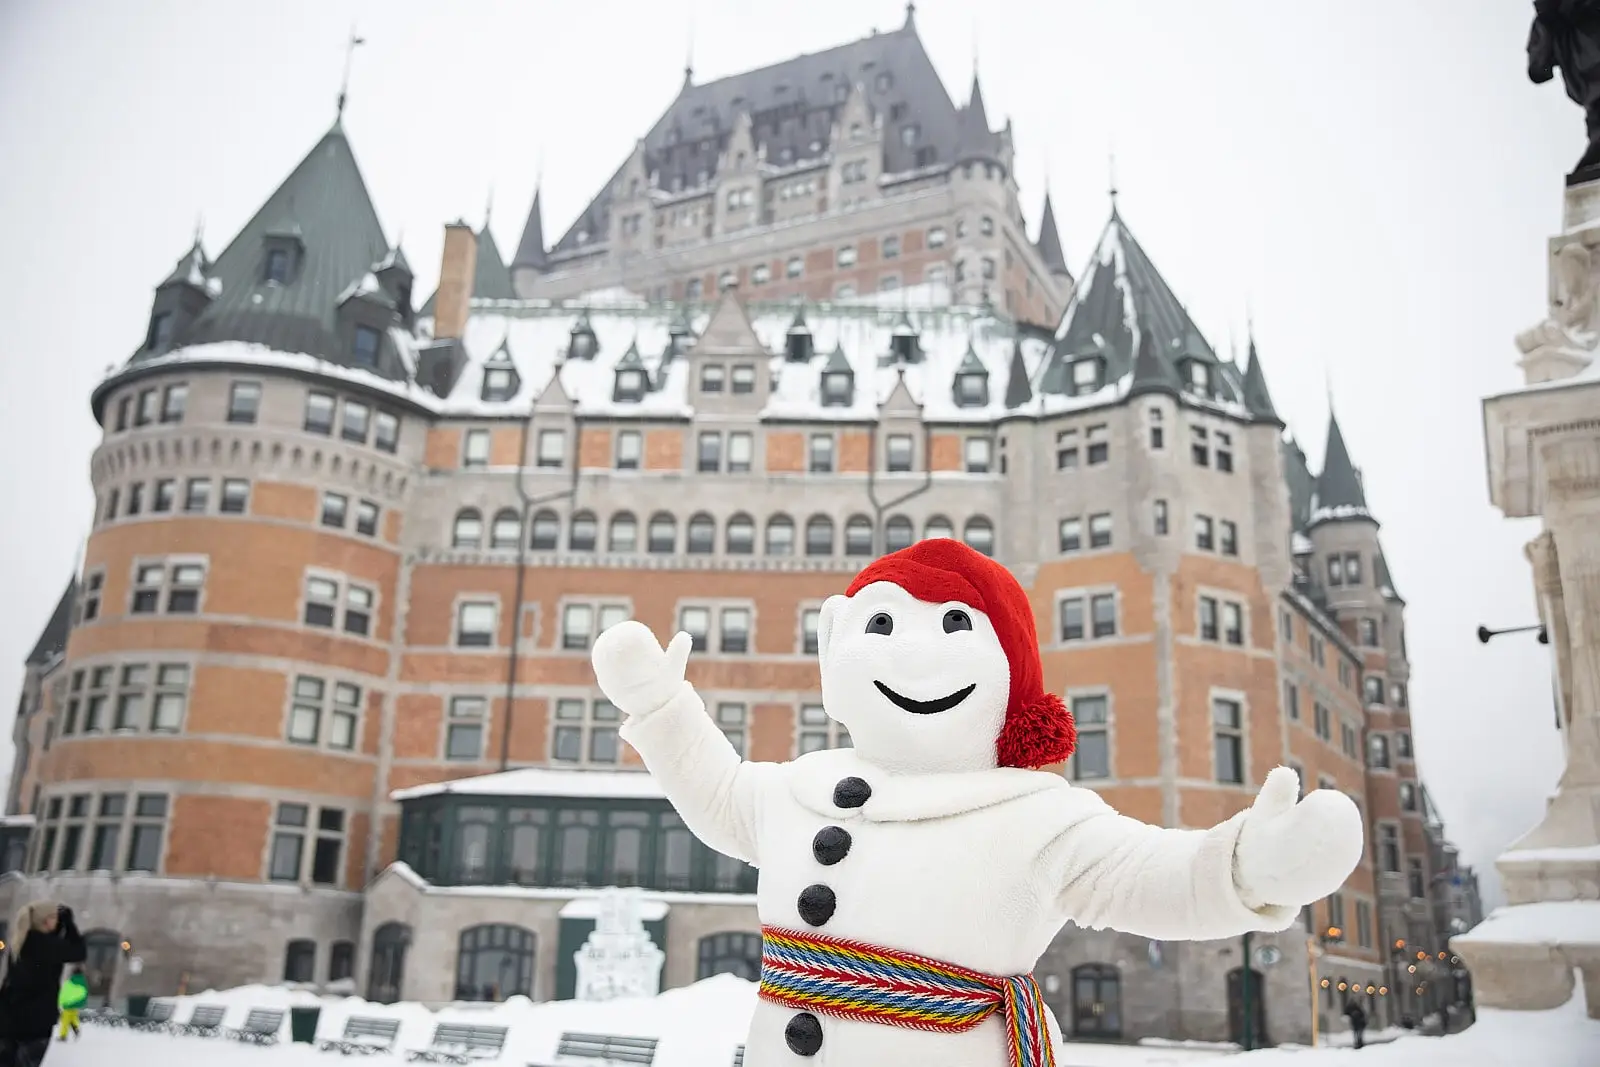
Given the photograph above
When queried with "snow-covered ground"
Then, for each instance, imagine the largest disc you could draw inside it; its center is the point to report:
(700, 1026)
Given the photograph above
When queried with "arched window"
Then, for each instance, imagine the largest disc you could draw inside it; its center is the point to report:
(342, 961)
(780, 536)
(506, 531)
(546, 531)
(938, 526)
(663, 533)
(897, 533)
(468, 531)
(979, 534)
(100, 965)
(387, 973)
(1096, 1001)
(741, 535)
(300, 961)
(624, 533)
(858, 536)
(730, 953)
(702, 531)
(495, 963)
(582, 532)
(819, 536)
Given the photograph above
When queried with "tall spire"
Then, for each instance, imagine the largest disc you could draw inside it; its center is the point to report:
(531, 250)
(911, 14)
(344, 84)
(1049, 243)
(1256, 396)
(1111, 171)
(1339, 485)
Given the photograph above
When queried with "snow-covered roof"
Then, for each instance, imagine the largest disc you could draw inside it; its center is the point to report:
(1546, 922)
(545, 782)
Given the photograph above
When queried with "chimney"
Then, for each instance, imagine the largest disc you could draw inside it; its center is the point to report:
(456, 269)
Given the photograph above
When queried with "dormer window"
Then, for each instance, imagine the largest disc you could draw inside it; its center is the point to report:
(160, 335)
(972, 390)
(366, 346)
(630, 385)
(1199, 377)
(846, 256)
(582, 344)
(499, 383)
(903, 343)
(798, 344)
(1086, 374)
(278, 265)
(838, 387)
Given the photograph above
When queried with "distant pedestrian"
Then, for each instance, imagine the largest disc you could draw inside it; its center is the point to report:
(74, 995)
(1358, 1019)
(47, 940)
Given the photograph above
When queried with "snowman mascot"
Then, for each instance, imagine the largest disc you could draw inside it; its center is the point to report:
(909, 885)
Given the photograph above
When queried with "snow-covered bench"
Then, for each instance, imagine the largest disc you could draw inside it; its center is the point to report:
(738, 1056)
(157, 1017)
(363, 1034)
(260, 1027)
(607, 1048)
(204, 1021)
(461, 1043)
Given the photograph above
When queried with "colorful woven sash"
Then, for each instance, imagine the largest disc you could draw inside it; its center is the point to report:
(850, 980)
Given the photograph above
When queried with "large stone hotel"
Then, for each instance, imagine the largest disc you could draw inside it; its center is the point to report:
(318, 706)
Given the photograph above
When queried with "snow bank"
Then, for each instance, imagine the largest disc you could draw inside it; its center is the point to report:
(1569, 922)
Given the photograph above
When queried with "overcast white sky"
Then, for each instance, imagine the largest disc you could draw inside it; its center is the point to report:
(1375, 180)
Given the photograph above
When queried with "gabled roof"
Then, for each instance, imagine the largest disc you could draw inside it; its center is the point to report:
(1339, 491)
(324, 204)
(53, 638)
(191, 269)
(1049, 243)
(792, 105)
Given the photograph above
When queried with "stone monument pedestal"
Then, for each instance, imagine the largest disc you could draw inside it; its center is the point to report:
(1543, 444)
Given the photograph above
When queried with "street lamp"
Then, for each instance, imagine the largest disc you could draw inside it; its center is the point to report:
(1484, 633)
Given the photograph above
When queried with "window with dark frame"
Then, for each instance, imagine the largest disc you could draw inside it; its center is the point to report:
(365, 350)
(1069, 534)
(1160, 523)
(319, 413)
(475, 624)
(1091, 758)
(1227, 720)
(356, 420)
(1203, 533)
(1208, 618)
(173, 400)
(1228, 541)
(1100, 530)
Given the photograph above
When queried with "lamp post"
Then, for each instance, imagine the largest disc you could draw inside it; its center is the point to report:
(1484, 633)
(1316, 947)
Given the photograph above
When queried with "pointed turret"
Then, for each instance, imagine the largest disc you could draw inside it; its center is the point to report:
(1256, 397)
(1018, 389)
(53, 638)
(530, 250)
(1152, 373)
(1049, 243)
(1339, 491)
(974, 139)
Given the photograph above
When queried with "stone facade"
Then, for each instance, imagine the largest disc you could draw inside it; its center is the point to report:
(1543, 445)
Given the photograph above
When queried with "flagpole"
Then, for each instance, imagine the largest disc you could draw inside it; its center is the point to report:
(349, 54)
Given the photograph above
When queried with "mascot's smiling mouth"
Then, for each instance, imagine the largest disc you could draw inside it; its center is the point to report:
(926, 707)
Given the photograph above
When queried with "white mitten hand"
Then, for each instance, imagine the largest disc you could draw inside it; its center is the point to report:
(635, 672)
(1291, 854)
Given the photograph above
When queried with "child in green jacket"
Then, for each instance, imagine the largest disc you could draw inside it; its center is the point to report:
(74, 994)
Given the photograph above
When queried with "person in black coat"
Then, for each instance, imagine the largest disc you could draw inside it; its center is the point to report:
(1352, 1011)
(46, 940)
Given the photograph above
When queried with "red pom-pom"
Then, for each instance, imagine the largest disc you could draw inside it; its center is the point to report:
(1037, 734)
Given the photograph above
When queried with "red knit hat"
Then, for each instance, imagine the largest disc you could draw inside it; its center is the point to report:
(1038, 729)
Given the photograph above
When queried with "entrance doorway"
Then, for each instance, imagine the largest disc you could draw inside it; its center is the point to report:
(1097, 1002)
(1258, 1007)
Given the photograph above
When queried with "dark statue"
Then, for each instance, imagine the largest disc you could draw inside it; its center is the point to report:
(1566, 34)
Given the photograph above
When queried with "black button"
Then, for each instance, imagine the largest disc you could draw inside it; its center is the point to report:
(803, 1034)
(831, 845)
(816, 904)
(851, 793)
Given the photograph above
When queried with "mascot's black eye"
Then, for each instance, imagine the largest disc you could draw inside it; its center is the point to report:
(956, 619)
(880, 624)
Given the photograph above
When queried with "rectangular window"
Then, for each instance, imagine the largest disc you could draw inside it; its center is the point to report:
(1227, 721)
(1099, 530)
(475, 450)
(131, 697)
(367, 518)
(244, 401)
(288, 843)
(552, 448)
(629, 447)
(696, 622)
(325, 860)
(135, 499)
(111, 506)
(357, 610)
(166, 495)
(979, 454)
(817, 730)
(123, 406)
(741, 452)
(1160, 518)
(810, 621)
(1208, 618)
(1232, 623)
(1228, 542)
(1369, 632)
(1070, 534)
(1389, 848)
(357, 418)
(171, 698)
(1363, 924)
(464, 733)
(709, 453)
(735, 636)
(322, 601)
(1378, 751)
(1224, 452)
(1066, 450)
(386, 432)
(1072, 619)
(475, 623)
(366, 347)
(743, 379)
(1099, 444)
(577, 625)
(1286, 626)
(103, 854)
(1092, 757)
(183, 598)
(1103, 611)
(1352, 568)
(335, 507)
(731, 721)
(820, 451)
(235, 496)
(144, 844)
(898, 450)
(319, 413)
(1200, 446)
(1415, 881)
(1402, 744)
(93, 586)
(1158, 431)
(1323, 722)
(305, 711)
(1291, 700)
(344, 717)
(197, 494)
(1335, 570)
(147, 582)
(146, 412)
(1203, 533)
(711, 378)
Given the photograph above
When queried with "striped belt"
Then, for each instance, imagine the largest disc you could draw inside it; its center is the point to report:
(850, 980)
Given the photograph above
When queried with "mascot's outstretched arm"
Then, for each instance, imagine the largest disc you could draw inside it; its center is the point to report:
(713, 789)
(1253, 872)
